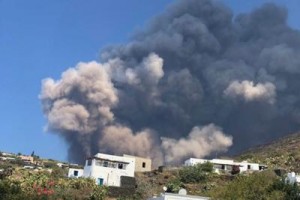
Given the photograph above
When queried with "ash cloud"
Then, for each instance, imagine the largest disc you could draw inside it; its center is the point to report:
(193, 66)
(207, 139)
(250, 92)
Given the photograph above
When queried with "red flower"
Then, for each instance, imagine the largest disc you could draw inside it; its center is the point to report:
(51, 183)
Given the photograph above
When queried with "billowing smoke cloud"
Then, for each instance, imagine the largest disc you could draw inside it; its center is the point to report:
(79, 105)
(207, 139)
(195, 65)
(120, 139)
(250, 92)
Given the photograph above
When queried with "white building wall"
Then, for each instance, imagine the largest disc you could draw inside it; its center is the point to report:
(110, 176)
(194, 161)
(222, 161)
(244, 166)
(72, 173)
(170, 196)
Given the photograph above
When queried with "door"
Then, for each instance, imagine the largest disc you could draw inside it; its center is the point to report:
(99, 181)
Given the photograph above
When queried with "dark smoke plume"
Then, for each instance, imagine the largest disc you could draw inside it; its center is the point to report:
(194, 74)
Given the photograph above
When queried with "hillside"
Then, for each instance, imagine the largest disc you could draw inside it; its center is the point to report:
(282, 153)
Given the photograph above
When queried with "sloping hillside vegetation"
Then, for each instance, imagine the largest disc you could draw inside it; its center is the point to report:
(282, 154)
(50, 181)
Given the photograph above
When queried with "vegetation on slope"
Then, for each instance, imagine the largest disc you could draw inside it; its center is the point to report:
(197, 180)
(283, 153)
(25, 184)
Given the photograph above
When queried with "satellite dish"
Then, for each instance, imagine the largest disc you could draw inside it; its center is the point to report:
(182, 191)
(165, 188)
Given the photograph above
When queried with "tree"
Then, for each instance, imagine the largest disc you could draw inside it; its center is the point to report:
(235, 169)
(196, 173)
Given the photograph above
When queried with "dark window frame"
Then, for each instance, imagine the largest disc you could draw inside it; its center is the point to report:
(75, 172)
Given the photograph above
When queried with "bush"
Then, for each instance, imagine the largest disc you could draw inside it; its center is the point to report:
(291, 191)
(258, 186)
(11, 190)
(195, 174)
(99, 192)
(50, 164)
(174, 186)
(58, 172)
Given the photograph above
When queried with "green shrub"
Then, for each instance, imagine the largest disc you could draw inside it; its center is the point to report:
(290, 191)
(58, 172)
(11, 190)
(196, 173)
(257, 186)
(98, 193)
(50, 164)
(174, 185)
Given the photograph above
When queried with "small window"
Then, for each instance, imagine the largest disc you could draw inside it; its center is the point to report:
(144, 165)
(120, 166)
(105, 164)
(223, 167)
(100, 181)
(249, 166)
(89, 163)
(75, 173)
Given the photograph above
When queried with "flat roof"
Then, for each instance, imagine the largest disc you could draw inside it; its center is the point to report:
(105, 159)
(189, 196)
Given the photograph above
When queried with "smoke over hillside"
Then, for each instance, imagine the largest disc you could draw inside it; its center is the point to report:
(196, 81)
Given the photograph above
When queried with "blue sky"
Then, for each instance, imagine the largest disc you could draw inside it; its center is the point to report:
(40, 39)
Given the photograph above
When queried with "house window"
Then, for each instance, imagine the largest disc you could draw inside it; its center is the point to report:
(249, 166)
(75, 173)
(120, 165)
(105, 164)
(89, 162)
(144, 165)
(223, 167)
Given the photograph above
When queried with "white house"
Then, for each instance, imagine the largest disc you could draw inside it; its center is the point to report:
(226, 165)
(171, 196)
(292, 178)
(75, 173)
(245, 166)
(141, 164)
(7, 158)
(7, 154)
(109, 169)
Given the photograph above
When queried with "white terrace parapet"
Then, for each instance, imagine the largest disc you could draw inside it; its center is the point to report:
(224, 164)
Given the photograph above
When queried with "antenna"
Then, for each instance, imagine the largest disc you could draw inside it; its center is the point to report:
(182, 191)
(165, 188)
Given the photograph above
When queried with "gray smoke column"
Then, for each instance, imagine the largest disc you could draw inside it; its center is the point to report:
(195, 82)
(200, 142)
